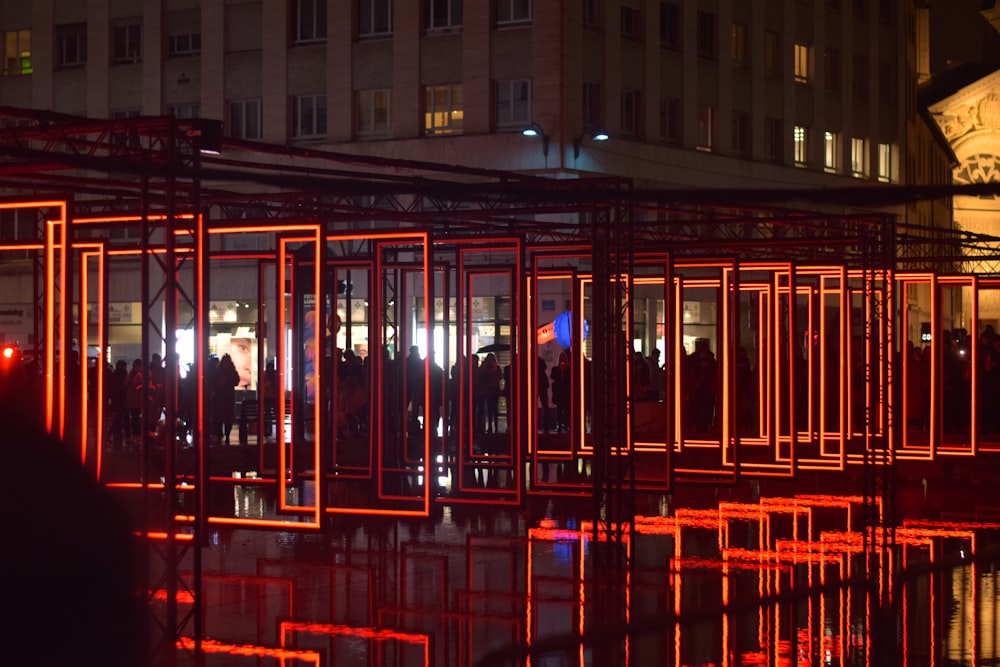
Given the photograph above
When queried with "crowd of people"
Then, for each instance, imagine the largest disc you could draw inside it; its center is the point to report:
(135, 393)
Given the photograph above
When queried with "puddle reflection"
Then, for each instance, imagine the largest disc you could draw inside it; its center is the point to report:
(778, 582)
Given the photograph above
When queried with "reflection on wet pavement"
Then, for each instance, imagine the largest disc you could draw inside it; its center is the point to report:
(779, 581)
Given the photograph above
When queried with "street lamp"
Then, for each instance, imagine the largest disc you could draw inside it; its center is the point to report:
(535, 130)
(593, 134)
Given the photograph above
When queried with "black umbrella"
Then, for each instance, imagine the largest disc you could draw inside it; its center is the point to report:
(493, 347)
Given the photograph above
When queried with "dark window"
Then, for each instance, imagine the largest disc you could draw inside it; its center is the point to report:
(444, 14)
(706, 35)
(741, 134)
(308, 21)
(670, 120)
(670, 30)
(127, 43)
(630, 22)
(831, 64)
(71, 44)
(859, 85)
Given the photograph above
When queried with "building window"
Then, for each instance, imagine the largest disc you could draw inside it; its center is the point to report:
(885, 163)
(706, 35)
(443, 112)
(183, 111)
(513, 103)
(374, 17)
(593, 107)
(772, 53)
(859, 84)
(126, 43)
(245, 119)
(860, 8)
(831, 62)
(71, 45)
(373, 113)
(444, 14)
(886, 84)
(670, 120)
(739, 45)
(802, 63)
(309, 116)
(773, 146)
(513, 11)
(630, 22)
(17, 52)
(799, 136)
(670, 25)
(590, 13)
(741, 134)
(706, 130)
(308, 21)
(184, 45)
(630, 113)
(859, 157)
(885, 12)
(831, 150)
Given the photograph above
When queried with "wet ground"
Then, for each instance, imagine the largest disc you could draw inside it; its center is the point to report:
(760, 573)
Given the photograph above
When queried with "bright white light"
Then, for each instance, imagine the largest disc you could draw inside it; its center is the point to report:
(529, 132)
(601, 136)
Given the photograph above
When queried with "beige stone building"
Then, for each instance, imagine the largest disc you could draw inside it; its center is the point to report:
(755, 94)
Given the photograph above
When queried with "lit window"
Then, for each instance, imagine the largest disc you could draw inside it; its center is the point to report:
(309, 21)
(17, 52)
(374, 17)
(513, 11)
(443, 110)
(444, 14)
(885, 163)
(799, 135)
(802, 63)
(706, 131)
(127, 43)
(513, 103)
(373, 113)
(71, 44)
(309, 116)
(831, 147)
(859, 157)
(245, 119)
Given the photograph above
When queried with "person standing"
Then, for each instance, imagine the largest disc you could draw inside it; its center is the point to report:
(492, 376)
(542, 386)
(561, 384)
(226, 380)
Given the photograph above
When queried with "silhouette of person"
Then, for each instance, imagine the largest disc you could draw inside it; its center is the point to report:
(226, 379)
(542, 385)
(492, 376)
(561, 383)
(73, 572)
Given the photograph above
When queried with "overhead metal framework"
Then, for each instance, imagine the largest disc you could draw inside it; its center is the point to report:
(425, 244)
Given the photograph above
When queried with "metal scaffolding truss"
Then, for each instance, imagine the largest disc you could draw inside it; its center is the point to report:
(177, 181)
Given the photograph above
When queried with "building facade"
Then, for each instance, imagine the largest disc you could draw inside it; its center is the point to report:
(761, 94)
